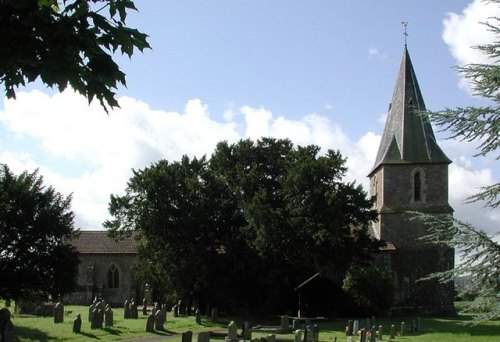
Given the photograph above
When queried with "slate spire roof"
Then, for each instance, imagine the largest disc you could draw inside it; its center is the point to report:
(408, 135)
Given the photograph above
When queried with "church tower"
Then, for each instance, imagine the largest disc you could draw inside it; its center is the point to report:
(411, 174)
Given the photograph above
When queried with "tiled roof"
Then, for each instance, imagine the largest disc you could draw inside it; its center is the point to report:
(98, 242)
(408, 135)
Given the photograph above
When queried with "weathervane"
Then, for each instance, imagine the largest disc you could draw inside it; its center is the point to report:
(405, 23)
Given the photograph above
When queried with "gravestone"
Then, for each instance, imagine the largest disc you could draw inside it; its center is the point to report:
(232, 332)
(59, 313)
(77, 324)
(204, 336)
(418, 324)
(150, 322)
(306, 333)
(362, 335)
(6, 326)
(315, 333)
(402, 328)
(355, 327)
(285, 323)
(144, 307)
(393, 332)
(214, 314)
(295, 324)
(91, 309)
(297, 335)
(198, 316)
(175, 311)
(349, 328)
(100, 318)
(159, 321)
(133, 310)
(94, 324)
(126, 310)
(368, 324)
(108, 316)
(247, 331)
(373, 333)
(164, 313)
(271, 338)
(380, 332)
(187, 336)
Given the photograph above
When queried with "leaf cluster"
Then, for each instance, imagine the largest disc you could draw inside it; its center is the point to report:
(67, 44)
(35, 225)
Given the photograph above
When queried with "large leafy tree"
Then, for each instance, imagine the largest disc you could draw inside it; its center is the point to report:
(480, 252)
(67, 43)
(251, 222)
(36, 224)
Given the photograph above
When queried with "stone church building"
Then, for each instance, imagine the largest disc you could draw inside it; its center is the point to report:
(411, 174)
(107, 269)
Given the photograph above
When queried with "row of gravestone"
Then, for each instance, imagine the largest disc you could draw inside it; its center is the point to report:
(369, 331)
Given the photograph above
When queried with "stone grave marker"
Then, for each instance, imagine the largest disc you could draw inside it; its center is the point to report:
(380, 332)
(355, 327)
(108, 316)
(6, 326)
(126, 310)
(91, 308)
(285, 323)
(232, 332)
(204, 336)
(297, 335)
(94, 324)
(100, 318)
(393, 332)
(247, 331)
(402, 328)
(197, 313)
(77, 324)
(144, 307)
(175, 311)
(150, 322)
(159, 321)
(315, 333)
(295, 324)
(187, 336)
(362, 335)
(214, 314)
(373, 333)
(59, 313)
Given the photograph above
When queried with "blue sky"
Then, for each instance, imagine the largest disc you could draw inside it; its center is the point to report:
(318, 72)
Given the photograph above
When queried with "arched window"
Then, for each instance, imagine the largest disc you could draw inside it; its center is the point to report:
(417, 187)
(113, 277)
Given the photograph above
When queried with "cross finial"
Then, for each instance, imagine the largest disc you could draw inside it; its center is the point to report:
(405, 23)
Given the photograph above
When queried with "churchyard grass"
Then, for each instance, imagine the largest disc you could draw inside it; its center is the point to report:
(29, 328)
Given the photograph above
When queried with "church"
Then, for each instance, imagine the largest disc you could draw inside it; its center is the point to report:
(410, 173)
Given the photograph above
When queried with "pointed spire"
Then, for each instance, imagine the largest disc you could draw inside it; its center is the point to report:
(408, 136)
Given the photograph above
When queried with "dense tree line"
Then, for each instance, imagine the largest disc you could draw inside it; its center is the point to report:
(251, 222)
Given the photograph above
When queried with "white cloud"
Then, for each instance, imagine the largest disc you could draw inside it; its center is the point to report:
(374, 52)
(463, 31)
(81, 150)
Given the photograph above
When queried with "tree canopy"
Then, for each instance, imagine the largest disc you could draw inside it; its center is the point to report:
(480, 252)
(67, 43)
(36, 224)
(255, 219)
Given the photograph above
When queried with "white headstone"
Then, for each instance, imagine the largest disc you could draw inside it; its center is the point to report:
(355, 327)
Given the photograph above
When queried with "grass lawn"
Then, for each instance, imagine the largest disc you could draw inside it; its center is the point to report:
(432, 329)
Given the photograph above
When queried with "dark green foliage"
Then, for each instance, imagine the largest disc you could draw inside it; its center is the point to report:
(253, 221)
(70, 43)
(372, 287)
(35, 225)
(480, 258)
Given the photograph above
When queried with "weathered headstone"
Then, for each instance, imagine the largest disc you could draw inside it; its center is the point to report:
(285, 323)
(295, 324)
(402, 329)
(271, 338)
(197, 313)
(94, 324)
(100, 318)
(362, 335)
(204, 336)
(150, 322)
(6, 326)
(133, 310)
(247, 331)
(58, 313)
(393, 332)
(373, 335)
(418, 324)
(232, 332)
(355, 327)
(380, 332)
(315, 333)
(297, 335)
(91, 309)
(77, 324)
(108, 316)
(159, 321)
(164, 313)
(187, 336)
(306, 333)
(175, 311)
(126, 310)
(214, 314)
